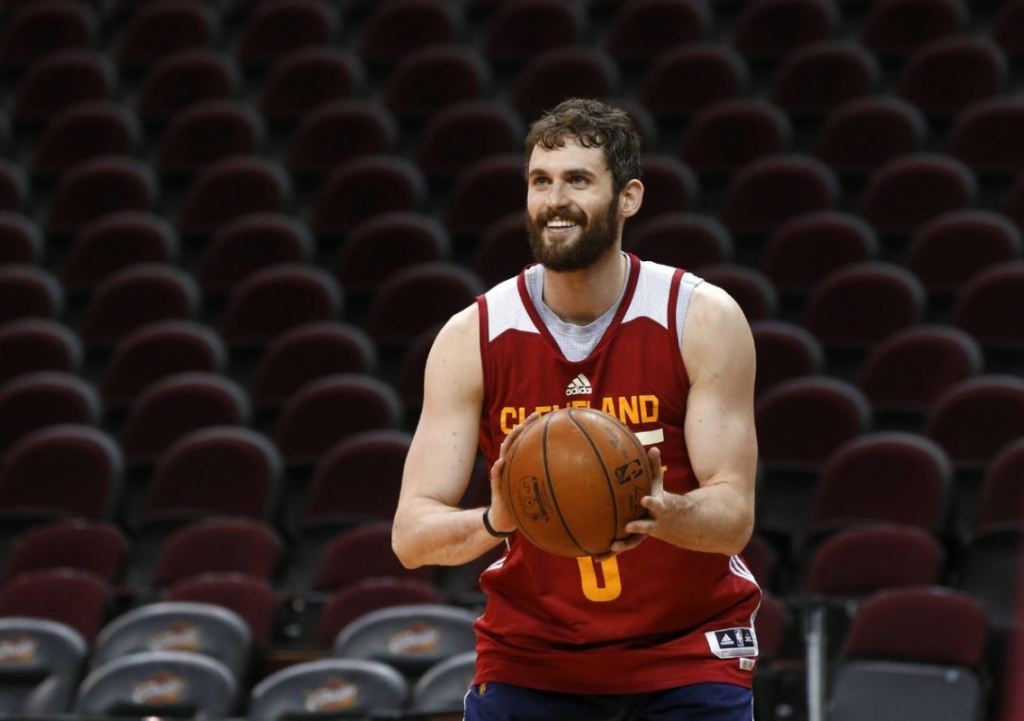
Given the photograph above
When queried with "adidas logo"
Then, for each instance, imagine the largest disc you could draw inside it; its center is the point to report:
(580, 386)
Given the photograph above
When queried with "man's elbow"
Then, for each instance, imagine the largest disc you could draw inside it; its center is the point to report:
(403, 549)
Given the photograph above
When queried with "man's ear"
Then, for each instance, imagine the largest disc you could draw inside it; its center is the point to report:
(631, 198)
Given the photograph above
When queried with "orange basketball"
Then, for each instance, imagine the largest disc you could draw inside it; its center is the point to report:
(573, 479)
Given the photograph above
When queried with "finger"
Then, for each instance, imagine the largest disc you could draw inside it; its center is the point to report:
(657, 471)
(622, 545)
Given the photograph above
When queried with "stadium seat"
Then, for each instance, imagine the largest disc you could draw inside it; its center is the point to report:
(206, 132)
(83, 131)
(443, 687)
(21, 239)
(306, 79)
(671, 187)
(416, 298)
(277, 299)
(981, 136)
(15, 191)
(72, 597)
(910, 190)
(157, 350)
(895, 477)
(463, 133)
(183, 79)
(794, 446)
(516, 33)
(252, 243)
(395, 29)
(771, 190)
(61, 471)
(981, 303)
(115, 241)
(231, 188)
(178, 404)
(328, 686)
(338, 131)
(58, 81)
(95, 546)
(904, 374)
(749, 287)
(769, 30)
(307, 352)
(218, 545)
(946, 252)
(804, 250)
(429, 79)
(639, 31)
(975, 418)
(356, 480)
(785, 350)
(253, 599)
(181, 627)
(551, 76)
(360, 597)
(214, 471)
(35, 31)
(52, 654)
(502, 250)
(159, 683)
(723, 137)
(686, 78)
(134, 297)
(683, 240)
(36, 400)
(328, 409)
(818, 77)
(949, 74)
(363, 188)
(861, 135)
(29, 292)
(912, 653)
(157, 30)
(36, 344)
(273, 30)
(95, 187)
(378, 635)
(895, 28)
(860, 304)
(331, 561)
(384, 244)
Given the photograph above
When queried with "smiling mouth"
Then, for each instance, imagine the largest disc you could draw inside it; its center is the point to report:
(560, 224)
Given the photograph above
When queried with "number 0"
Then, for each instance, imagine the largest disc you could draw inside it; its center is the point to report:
(607, 587)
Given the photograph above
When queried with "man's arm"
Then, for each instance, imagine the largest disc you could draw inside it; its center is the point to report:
(718, 516)
(429, 528)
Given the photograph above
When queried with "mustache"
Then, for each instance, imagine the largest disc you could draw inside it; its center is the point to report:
(575, 216)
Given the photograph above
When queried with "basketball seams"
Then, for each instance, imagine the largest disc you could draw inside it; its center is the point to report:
(604, 469)
(551, 488)
(507, 483)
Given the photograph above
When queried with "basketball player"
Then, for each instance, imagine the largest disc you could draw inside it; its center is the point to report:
(661, 627)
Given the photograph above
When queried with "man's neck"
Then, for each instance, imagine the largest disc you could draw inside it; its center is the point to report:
(581, 297)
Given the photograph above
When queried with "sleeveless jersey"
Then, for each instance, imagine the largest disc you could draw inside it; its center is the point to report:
(654, 617)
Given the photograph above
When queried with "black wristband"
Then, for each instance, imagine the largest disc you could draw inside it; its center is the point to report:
(491, 530)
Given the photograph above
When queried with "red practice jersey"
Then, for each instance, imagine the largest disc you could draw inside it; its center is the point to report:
(657, 616)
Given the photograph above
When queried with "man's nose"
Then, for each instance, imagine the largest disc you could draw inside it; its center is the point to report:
(558, 198)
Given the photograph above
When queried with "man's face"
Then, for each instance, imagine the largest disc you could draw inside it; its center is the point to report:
(572, 210)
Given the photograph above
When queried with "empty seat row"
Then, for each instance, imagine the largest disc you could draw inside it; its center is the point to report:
(198, 659)
(634, 32)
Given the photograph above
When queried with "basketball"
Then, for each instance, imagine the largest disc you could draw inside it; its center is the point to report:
(574, 479)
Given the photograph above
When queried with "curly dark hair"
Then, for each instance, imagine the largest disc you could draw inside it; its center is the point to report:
(592, 124)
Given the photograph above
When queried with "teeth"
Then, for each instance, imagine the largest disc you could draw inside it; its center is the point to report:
(560, 224)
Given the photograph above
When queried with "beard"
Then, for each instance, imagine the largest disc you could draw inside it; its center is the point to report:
(596, 237)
